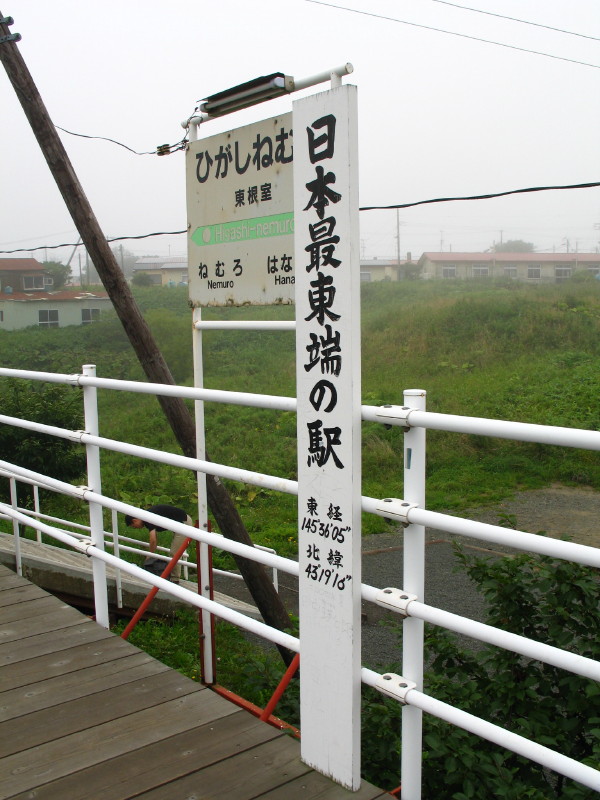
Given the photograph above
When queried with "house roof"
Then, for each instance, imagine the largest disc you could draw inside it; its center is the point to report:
(62, 295)
(179, 265)
(537, 258)
(378, 262)
(21, 265)
(160, 260)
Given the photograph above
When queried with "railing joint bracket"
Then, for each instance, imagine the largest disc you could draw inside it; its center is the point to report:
(395, 599)
(395, 686)
(397, 509)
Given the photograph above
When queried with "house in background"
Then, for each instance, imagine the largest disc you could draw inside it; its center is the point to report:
(26, 299)
(51, 309)
(527, 267)
(172, 271)
(378, 269)
(22, 275)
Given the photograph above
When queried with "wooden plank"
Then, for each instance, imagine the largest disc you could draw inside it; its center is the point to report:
(87, 712)
(10, 579)
(52, 642)
(48, 762)
(244, 776)
(140, 770)
(314, 786)
(19, 629)
(19, 594)
(32, 608)
(52, 664)
(64, 688)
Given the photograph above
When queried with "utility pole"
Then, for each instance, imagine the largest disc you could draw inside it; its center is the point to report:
(139, 334)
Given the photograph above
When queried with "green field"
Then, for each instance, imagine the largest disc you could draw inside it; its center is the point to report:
(506, 351)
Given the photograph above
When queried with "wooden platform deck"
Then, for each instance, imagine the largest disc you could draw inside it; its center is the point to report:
(85, 714)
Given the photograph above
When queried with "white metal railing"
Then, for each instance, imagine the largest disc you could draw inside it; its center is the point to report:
(113, 539)
(409, 511)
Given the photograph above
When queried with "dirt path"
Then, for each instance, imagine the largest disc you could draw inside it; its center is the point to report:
(557, 510)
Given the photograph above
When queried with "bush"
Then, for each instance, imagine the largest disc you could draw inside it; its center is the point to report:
(58, 406)
(545, 600)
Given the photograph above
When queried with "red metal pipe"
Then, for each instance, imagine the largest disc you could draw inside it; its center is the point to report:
(283, 684)
(154, 590)
(254, 709)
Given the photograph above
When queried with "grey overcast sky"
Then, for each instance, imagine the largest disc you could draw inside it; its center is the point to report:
(439, 115)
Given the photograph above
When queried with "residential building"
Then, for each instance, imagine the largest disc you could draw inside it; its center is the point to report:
(27, 298)
(50, 309)
(23, 275)
(528, 267)
(171, 271)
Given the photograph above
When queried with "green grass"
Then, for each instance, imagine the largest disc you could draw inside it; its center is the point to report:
(507, 351)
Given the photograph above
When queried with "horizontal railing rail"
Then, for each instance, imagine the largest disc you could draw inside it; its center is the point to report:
(389, 684)
(400, 510)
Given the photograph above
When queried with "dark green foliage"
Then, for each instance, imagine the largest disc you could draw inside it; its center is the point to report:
(537, 597)
(513, 246)
(60, 273)
(49, 404)
(142, 279)
(545, 600)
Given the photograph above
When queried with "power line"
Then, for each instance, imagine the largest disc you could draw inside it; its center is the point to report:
(80, 244)
(489, 196)
(483, 196)
(453, 33)
(161, 150)
(106, 139)
(514, 19)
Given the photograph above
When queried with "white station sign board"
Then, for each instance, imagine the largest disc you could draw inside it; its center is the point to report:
(329, 429)
(240, 204)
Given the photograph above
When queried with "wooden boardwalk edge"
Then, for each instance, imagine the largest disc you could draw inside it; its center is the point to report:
(85, 714)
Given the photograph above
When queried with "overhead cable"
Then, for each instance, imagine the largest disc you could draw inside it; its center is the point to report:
(483, 196)
(489, 196)
(453, 33)
(514, 19)
(161, 150)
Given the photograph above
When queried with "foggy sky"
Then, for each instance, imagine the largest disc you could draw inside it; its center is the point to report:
(439, 115)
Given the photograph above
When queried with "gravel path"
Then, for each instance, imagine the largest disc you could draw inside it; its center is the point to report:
(557, 510)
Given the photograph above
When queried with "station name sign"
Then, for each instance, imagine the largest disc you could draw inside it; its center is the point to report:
(240, 205)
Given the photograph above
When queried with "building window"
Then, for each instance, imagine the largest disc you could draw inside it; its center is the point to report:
(155, 278)
(89, 315)
(480, 271)
(510, 272)
(365, 277)
(594, 271)
(562, 274)
(33, 281)
(1, 316)
(48, 318)
(449, 271)
(534, 273)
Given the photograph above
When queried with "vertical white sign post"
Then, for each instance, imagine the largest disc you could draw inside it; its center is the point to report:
(329, 424)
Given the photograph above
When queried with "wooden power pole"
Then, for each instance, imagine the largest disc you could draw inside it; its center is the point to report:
(151, 359)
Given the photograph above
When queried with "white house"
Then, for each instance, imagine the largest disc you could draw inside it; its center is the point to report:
(50, 309)
(27, 298)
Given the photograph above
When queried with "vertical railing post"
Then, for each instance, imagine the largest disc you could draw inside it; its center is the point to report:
(413, 583)
(36, 508)
(117, 552)
(205, 562)
(94, 482)
(14, 500)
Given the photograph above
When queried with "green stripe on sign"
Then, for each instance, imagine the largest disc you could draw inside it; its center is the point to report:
(244, 230)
